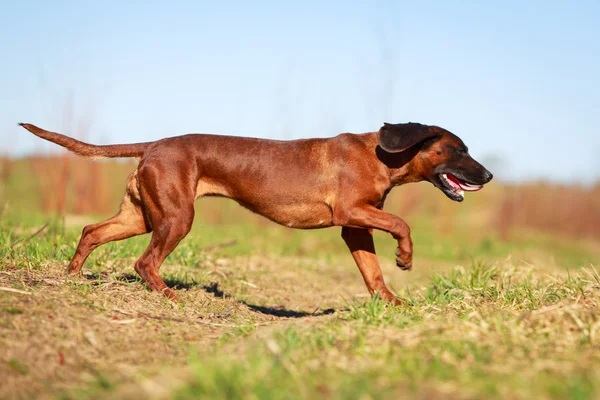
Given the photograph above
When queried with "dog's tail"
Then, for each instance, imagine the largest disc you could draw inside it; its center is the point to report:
(86, 149)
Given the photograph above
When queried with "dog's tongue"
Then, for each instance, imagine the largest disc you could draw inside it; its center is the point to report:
(462, 185)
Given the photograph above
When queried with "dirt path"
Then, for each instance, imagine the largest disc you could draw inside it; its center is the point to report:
(58, 334)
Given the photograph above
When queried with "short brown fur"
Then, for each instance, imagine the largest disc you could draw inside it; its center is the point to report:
(307, 184)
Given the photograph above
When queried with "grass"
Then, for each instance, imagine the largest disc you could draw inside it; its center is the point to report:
(284, 314)
(476, 333)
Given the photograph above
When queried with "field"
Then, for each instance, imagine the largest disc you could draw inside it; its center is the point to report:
(500, 304)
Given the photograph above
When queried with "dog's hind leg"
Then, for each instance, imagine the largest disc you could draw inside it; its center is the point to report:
(128, 222)
(169, 203)
(164, 240)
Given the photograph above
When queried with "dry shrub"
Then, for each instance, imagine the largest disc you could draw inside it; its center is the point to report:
(41, 169)
(5, 172)
(70, 184)
(569, 210)
(89, 181)
(6, 168)
(52, 176)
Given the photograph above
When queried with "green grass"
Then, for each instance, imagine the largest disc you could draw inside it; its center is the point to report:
(268, 238)
(277, 316)
(469, 333)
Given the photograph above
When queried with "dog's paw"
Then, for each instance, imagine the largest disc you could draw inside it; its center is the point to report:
(170, 294)
(403, 260)
(74, 274)
(398, 302)
(388, 296)
(404, 266)
(74, 269)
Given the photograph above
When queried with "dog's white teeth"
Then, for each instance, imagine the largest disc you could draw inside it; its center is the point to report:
(462, 193)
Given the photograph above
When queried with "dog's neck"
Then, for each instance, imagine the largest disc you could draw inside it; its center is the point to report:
(400, 165)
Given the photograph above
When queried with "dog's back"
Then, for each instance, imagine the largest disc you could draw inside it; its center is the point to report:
(269, 177)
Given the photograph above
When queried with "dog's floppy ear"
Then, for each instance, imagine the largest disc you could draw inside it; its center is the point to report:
(395, 138)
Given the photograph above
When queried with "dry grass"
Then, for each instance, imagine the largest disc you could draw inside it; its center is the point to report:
(61, 333)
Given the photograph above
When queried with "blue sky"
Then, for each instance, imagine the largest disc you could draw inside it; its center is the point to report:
(518, 81)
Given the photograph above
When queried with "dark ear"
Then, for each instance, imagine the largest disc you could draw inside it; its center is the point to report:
(395, 138)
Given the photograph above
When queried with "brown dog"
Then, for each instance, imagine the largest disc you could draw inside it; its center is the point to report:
(306, 184)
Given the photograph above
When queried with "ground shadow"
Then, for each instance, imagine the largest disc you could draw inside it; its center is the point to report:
(102, 276)
(172, 282)
(279, 311)
(212, 288)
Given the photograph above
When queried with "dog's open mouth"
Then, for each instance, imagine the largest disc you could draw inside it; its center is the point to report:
(456, 188)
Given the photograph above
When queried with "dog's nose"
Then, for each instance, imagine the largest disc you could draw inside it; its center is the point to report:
(488, 176)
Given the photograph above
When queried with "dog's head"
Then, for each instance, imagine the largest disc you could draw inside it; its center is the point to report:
(441, 157)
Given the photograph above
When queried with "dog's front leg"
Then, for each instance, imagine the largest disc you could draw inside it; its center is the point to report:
(370, 217)
(360, 243)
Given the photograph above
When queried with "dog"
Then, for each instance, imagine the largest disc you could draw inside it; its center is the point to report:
(305, 184)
